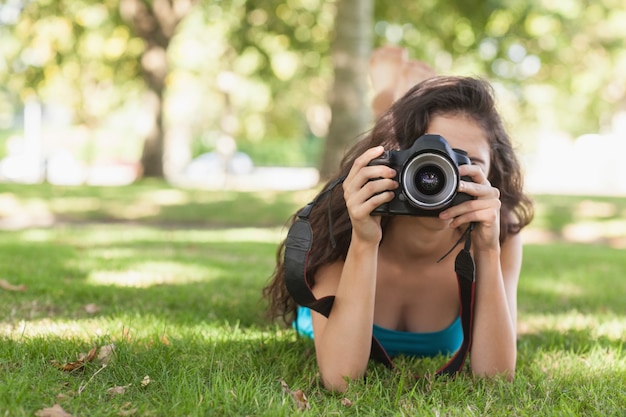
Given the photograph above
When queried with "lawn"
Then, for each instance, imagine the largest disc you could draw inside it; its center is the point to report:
(165, 284)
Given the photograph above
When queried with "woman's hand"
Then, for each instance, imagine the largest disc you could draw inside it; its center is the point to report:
(365, 188)
(484, 210)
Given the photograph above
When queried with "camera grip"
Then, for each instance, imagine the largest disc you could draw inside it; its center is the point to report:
(384, 159)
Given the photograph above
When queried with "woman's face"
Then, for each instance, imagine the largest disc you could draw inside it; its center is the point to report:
(464, 133)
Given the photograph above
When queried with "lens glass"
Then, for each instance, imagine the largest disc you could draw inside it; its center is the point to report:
(429, 180)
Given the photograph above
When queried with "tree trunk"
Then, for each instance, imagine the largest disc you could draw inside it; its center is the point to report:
(154, 142)
(351, 49)
(154, 68)
(155, 22)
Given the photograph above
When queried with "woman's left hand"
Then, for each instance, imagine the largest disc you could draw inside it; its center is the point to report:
(484, 210)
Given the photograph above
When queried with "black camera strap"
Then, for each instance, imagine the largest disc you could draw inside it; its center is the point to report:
(298, 246)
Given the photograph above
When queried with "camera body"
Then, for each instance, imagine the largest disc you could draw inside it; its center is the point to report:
(428, 178)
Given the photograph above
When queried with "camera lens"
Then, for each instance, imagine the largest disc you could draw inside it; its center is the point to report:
(429, 180)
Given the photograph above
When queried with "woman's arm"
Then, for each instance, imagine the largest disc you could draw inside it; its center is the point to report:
(494, 350)
(343, 341)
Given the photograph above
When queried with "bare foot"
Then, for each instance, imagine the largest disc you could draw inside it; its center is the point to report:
(412, 73)
(385, 64)
(393, 74)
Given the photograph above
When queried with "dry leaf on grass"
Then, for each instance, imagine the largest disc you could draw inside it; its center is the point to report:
(54, 411)
(80, 363)
(7, 286)
(92, 308)
(118, 390)
(145, 381)
(298, 396)
(103, 354)
(346, 402)
(63, 397)
(106, 353)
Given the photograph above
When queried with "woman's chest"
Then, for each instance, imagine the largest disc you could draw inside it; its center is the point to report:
(416, 297)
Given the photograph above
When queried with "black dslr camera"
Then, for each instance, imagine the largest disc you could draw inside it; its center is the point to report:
(428, 175)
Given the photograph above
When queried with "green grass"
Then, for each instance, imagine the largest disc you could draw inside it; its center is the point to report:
(149, 203)
(173, 278)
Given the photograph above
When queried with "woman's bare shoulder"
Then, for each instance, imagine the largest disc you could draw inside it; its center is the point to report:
(327, 279)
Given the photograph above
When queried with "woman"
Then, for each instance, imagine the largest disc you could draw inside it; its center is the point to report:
(384, 271)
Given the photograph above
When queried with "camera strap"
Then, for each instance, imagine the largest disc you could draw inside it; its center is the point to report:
(297, 249)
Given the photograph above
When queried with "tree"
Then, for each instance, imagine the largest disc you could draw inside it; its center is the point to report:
(550, 60)
(82, 54)
(75, 53)
(155, 22)
(351, 49)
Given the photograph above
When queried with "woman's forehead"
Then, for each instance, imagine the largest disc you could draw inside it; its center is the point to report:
(465, 133)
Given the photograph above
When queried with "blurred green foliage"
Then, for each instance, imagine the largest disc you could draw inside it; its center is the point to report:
(260, 70)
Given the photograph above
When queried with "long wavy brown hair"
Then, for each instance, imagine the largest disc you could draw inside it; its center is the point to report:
(406, 120)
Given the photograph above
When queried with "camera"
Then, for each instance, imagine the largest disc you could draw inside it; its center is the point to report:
(428, 176)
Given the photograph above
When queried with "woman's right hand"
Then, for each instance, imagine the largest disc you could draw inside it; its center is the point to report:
(365, 188)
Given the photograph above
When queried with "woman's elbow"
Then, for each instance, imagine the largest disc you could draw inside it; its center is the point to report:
(504, 369)
(336, 380)
(335, 383)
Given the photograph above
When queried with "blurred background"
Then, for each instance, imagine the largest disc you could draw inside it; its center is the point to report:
(239, 94)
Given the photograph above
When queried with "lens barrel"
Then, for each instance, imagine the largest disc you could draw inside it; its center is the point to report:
(430, 180)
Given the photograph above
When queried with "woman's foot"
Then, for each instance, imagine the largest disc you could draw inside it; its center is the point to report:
(392, 74)
(412, 73)
(384, 68)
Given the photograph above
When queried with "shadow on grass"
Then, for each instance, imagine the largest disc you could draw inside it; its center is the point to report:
(188, 376)
(563, 277)
(177, 277)
(194, 276)
(576, 341)
(148, 202)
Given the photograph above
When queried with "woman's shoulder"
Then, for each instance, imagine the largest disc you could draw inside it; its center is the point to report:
(327, 279)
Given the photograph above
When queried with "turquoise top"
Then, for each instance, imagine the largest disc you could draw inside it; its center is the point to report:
(444, 342)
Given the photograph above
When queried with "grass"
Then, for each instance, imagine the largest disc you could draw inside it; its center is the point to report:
(173, 277)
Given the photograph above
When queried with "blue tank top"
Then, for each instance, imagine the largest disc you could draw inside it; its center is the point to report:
(444, 342)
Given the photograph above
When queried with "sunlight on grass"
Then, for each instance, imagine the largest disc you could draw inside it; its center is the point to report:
(180, 294)
(610, 326)
(10, 204)
(598, 361)
(36, 235)
(561, 289)
(591, 231)
(166, 197)
(147, 274)
(104, 234)
(592, 209)
(75, 204)
(135, 211)
(80, 329)
(127, 327)
(269, 235)
(113, 253)
(16, 214)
